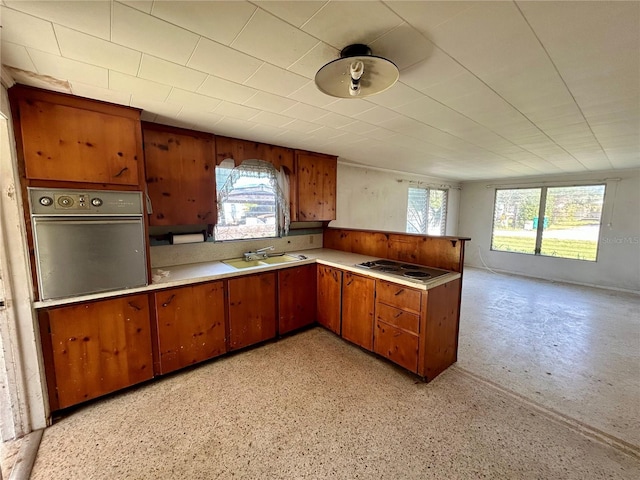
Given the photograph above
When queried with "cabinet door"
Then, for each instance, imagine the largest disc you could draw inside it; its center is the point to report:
(316, 182)
(358, 296)
(329, 297)
(100, 347)
(190, 325)
(397, 345)
(76, 145)
(180, 169)
(296, 298)
(252, 309)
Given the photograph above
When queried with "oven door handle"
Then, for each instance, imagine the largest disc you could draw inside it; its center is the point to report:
(85, 220)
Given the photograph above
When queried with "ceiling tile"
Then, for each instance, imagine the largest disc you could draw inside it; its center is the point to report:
(194, 101)
(226, 90)
(98, 93)
(282, 49)
(142, 5)
(96, 51)
(350, 106)
(199, 120)
(305, 112)
(273, 119)
(162, 71)
(138, 86)
(334, 120)
(358, 127)
(173, 121)
(376, 114)
(399, 94)
(23, 29)
(157, 108)
(16, 56)
(65, 69)
(139, 31)
(302, 126)
(228, 109)
(342, 23)
(404, 45)
(93, 17)
(219, 21)
(223, 61)
(427, 15)
(309, 64)
(295, 13)
(231, 126)
(311, 95)
(269, 102)
(276, 80)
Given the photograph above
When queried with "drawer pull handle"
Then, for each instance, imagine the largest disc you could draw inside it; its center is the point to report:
(166, 304)
(121, 172)
(398, 315)
(349, 282)
(133, 305)
(399, 292)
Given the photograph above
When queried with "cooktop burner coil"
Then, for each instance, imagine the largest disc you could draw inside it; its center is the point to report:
(416, 274)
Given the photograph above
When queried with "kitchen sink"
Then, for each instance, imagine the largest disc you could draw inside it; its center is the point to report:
(279, 259)
(241, 263)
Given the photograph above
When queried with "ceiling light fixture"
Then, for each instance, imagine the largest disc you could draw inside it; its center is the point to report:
(356, 74)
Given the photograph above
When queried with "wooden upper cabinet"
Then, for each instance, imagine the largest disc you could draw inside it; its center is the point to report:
(315, 187)
(240, 150)
(358, 297)
(180, 168)
(66, 138)
(190, 325)
(99, 347)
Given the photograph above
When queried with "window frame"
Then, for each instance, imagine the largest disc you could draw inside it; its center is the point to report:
(428, 190)
(541, 215)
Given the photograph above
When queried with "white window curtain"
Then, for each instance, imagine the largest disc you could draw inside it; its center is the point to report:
(263, 170)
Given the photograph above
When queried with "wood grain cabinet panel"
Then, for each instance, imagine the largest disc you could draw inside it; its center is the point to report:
(399, 296)
(358, 296)
(296, 298)
(329, 297)
(180, 170)
(190, 325)
(398, 318)
(316, 187)
(252, 309)
(397, 345)
(66, 143)
(100, 347)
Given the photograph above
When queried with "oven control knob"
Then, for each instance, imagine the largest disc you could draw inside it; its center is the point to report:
(65, 201)
(45, 201)
(96, 202)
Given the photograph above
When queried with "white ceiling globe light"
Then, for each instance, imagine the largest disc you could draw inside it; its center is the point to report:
(356, 74)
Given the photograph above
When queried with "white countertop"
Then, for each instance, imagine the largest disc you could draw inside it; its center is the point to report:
(179, 275)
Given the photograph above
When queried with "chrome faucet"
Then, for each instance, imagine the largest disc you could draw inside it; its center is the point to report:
(260, 253)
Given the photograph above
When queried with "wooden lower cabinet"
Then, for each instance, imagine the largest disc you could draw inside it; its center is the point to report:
(96, 348)
(358, 296)
(296, 298)
(329, 297)
(397, 345)
(252, 309)
(190, 325)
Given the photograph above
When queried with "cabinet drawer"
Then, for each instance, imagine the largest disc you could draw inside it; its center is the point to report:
(397, 345)
(398, 296)
(398, 318)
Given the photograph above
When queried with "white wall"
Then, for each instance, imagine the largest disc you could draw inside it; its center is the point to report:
(374, 199)
(618, 264)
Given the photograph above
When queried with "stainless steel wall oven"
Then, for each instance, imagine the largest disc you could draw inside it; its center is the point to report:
(87, 241)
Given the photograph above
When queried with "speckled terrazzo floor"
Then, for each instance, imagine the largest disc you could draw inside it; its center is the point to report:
(312, 406)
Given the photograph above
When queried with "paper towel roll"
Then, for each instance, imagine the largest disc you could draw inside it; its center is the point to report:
(187, 238)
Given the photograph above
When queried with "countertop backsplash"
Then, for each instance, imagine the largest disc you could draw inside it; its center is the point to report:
(170, 255)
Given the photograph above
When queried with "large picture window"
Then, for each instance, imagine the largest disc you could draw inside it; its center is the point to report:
(551, 221)
(427, 211)
(253, 201)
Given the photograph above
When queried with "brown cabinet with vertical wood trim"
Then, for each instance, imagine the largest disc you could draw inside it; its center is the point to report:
(240, 150)
(252, 309)
(190, 325)
(397, 324)
(296, 298)
(71, 139)
(315, 187)
(180, 171)
(96, 348)
(329, 297)
(358, 297)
